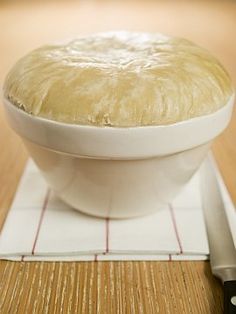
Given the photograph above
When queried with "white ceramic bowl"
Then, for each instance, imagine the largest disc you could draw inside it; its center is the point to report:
(117, 172)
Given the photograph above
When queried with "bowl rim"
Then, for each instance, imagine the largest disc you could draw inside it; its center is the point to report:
(107, 142)
(107, 127)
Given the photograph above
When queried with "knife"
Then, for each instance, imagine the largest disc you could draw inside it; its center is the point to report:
(221, 246)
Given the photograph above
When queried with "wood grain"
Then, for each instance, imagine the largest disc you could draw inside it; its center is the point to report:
(110, 287)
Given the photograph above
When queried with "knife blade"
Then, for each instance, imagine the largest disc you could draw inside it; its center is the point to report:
(221, 246)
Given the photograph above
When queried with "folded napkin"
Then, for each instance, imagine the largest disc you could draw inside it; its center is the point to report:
(39, 227)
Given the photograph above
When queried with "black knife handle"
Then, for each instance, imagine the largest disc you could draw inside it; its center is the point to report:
(230, 297)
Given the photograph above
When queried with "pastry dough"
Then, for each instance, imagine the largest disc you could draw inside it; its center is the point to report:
(120, 79)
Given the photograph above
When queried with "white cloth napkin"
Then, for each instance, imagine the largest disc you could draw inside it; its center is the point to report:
(39, 227)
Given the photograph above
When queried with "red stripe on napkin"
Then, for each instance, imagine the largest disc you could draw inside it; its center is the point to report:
(107, 235)
(45, 203)
(175, 228)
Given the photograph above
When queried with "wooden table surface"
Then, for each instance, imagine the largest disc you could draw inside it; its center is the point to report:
(110, 287)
